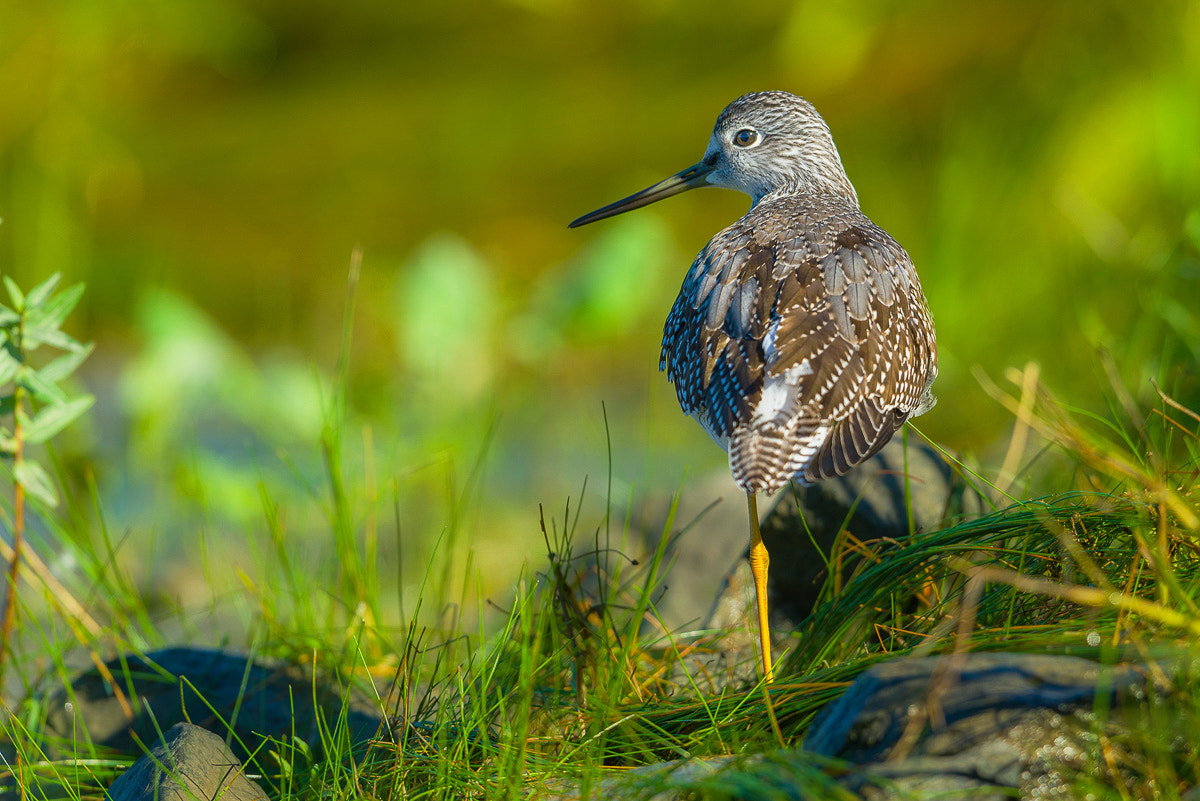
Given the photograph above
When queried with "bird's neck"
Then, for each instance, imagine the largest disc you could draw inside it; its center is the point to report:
(840, 188)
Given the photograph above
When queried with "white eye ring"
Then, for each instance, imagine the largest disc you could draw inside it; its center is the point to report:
(747, 137)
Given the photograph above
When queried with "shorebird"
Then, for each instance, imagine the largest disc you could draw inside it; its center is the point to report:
(801, 340)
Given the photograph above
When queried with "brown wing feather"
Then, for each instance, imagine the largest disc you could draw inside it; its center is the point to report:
(801, 344)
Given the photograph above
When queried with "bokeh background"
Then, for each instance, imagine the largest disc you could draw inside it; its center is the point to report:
(206, 167)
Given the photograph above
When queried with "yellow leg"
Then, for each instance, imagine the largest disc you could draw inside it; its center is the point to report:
(759, 562)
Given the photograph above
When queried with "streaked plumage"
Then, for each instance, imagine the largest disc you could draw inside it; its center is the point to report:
(801, 354)
(800, 340)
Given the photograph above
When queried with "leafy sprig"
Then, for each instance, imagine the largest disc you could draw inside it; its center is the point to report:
(33, 407)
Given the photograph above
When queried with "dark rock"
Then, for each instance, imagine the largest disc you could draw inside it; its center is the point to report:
(976, 721)
(872, 502)
(706, 556)
(981, 726)
(969, 696)
(188, 763)
(206, 687)
(713, 512)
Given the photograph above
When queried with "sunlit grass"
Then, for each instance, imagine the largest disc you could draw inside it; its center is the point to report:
(571, 683)
(570, 680)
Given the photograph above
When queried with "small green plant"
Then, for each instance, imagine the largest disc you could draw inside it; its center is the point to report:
(33, 407)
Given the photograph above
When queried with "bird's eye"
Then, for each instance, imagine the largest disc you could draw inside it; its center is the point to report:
(747, 137)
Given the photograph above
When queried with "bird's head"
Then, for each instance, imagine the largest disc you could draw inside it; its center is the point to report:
(763, 143)
(767, 142)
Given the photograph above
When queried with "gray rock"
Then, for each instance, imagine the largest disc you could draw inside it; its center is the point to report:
(204, 686)
(189, 763)
(713, 512)
(970, 696)
(872, 502)
(708, 585)
(983, 721)
(980, 726)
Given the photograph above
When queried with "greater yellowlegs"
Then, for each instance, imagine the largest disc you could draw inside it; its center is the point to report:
(800, 340)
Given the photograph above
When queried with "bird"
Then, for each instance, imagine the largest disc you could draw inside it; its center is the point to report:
(801, 339)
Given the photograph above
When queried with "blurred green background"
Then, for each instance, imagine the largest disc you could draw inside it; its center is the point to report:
(207, 167)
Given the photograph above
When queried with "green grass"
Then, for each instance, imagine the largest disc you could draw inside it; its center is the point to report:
(566, 687)
(573, 682)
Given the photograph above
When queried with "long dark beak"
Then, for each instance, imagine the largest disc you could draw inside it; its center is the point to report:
(690, 178)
